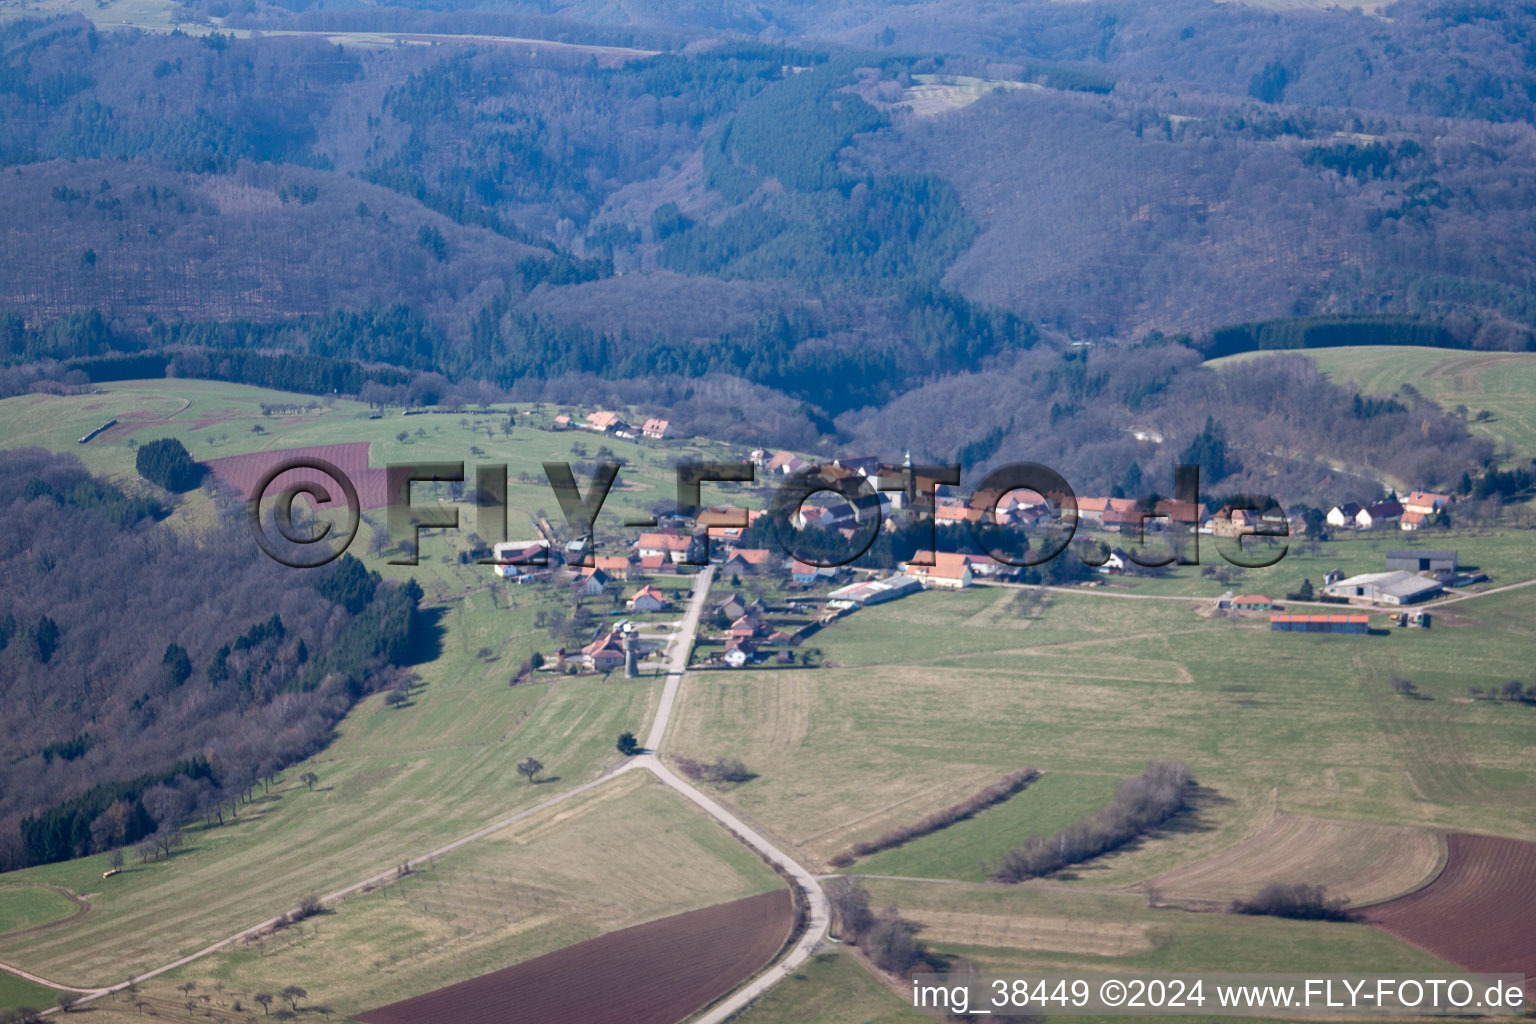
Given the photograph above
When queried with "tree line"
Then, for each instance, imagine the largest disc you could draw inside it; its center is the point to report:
(1141, 804)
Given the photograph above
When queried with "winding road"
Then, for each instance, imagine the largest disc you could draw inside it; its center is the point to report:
(679, 646)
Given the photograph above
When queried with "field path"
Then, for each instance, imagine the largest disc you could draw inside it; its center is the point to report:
(679, 647)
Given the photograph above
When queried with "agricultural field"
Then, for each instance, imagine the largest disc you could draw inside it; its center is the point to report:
(1478, 912)
(451, 750)
(1044, 926)
(1499, 382)
(654, 973)
(1097, 686)
(832, 986)
(23, 908)
(1361, 864)
(931, 95)
(619, 856)
(218, 421)
(961, 851)
(15, 992)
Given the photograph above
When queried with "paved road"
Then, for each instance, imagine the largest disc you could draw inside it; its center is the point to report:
(679, 647)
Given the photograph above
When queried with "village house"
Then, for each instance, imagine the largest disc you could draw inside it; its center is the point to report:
(648, 599)
(748, 560)
(954, 512)
(656, 429)
(949, 571)
(604, 654)
(1252, 603)
(739, 652)
(654, 565)
(747, 627)
(562, 422)
(605, 422)
(1342, 517)
(786, 463)
(520, 558)
(805, 573)
(616, 566)
(733, 607)
(669, 544)
(1117, 564)
(1122, 516)
(1379, 514)
(590, 582)
(1425, 503)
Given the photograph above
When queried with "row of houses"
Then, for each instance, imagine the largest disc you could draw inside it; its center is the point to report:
(1414, 512)
(605, 421)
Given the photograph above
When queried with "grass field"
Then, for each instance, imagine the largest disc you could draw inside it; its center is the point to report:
(395, 784)
(1500, 382)
(617, 856)
(1361, 864)
(830, 988)
(964, 850)
(215, 419)
(1219, 942)
(939, 694)
(31, 905)
(17, 992)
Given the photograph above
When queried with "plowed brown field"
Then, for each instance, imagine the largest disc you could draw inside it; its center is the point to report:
(243, 472)
(655, 973)
(1479, 913)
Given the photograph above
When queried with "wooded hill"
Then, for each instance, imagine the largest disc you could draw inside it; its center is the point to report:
(213, 673)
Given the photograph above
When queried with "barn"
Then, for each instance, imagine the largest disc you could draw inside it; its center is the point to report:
(1414, 560)
(1391, 588)
(1358, 625)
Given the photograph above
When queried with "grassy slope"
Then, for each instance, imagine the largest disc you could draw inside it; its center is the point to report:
(615, 857)
(16, 992)
(830, 988)
(395, 784)
(1500, 382)
(26, 906)
(215, 420)
(1052, 802)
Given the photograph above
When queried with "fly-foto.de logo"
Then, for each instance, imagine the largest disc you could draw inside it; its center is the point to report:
(314, 541)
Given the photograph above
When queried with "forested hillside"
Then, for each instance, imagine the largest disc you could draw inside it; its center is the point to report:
(213, 672)
(758, 219)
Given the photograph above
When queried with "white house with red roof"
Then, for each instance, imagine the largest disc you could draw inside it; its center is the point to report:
(948, 571)
(648, 599)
